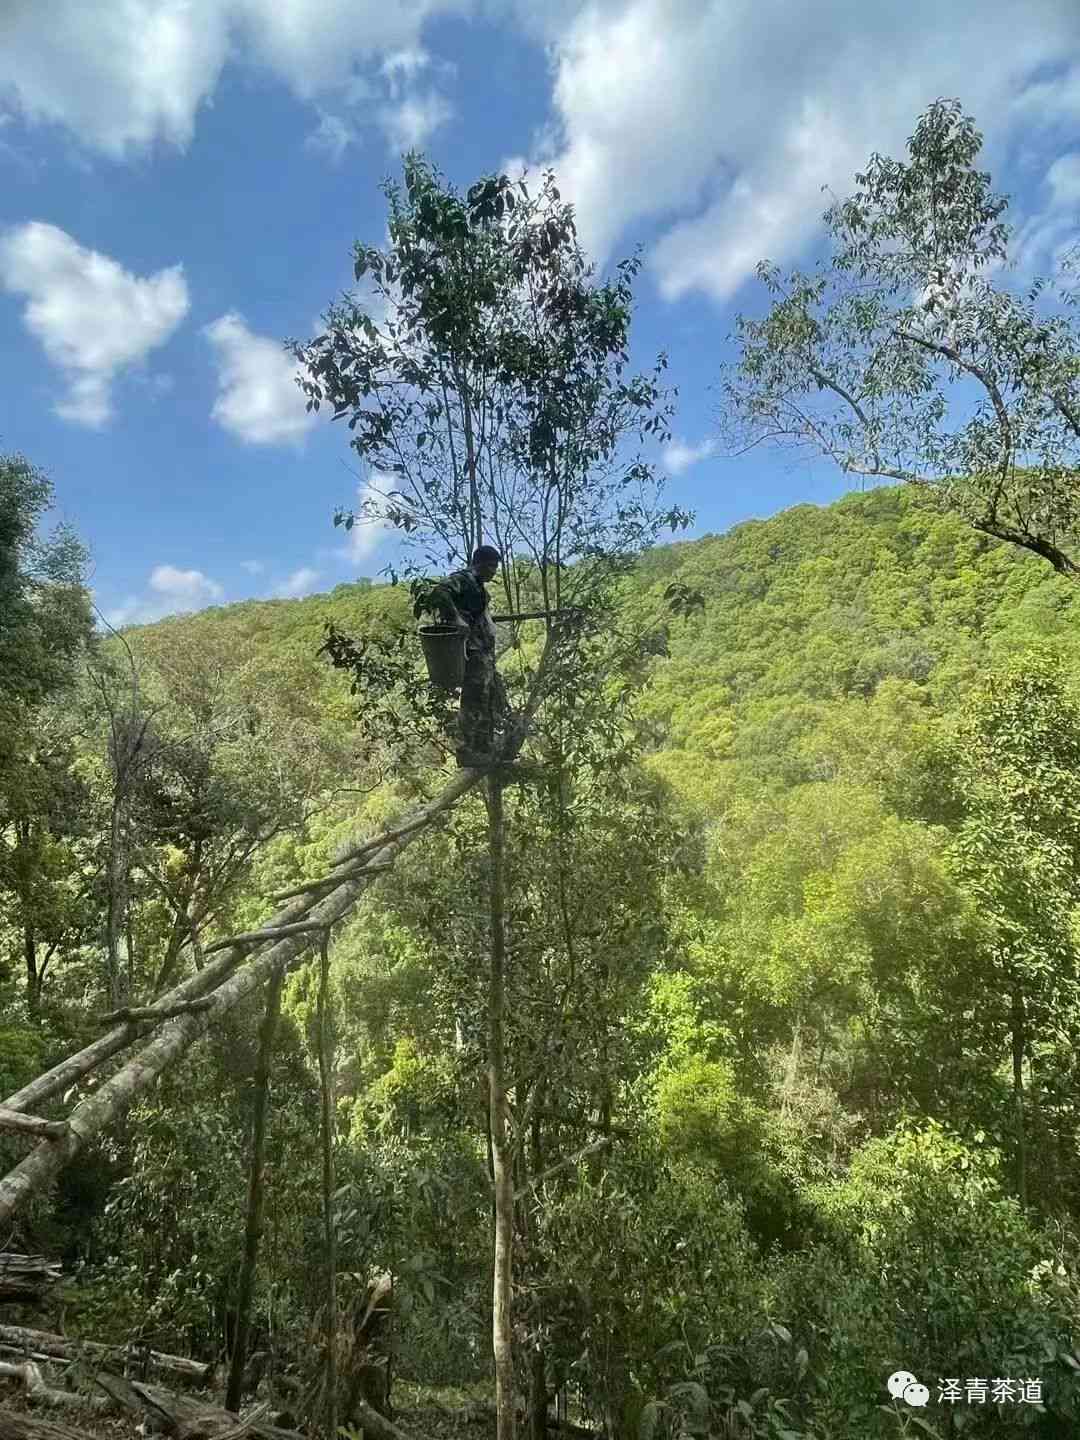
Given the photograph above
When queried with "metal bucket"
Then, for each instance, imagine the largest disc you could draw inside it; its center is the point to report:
(444, 651)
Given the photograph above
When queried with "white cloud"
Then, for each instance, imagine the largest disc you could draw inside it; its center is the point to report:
(124, 75)
(716, 123)
(409, 123)
(159, 383)
(1063, 177)
(725, 126)
(1047, 236)
(172, 592)
(252, 567)
(411, 118)
(300, 582)
(678, 457)
(119, 76)
(190, 586)
(403, 66)
(316, 54)
(332, 137)
(1050, 104)
(366, 536)
(92, 317)
(259, 401)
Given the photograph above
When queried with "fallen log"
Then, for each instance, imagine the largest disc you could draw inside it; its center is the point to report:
(16, 1426)
(18, 1124)
(188, 1419)
(26, 1277)
(328, 881)
(260, 937)
(63, 1347)
(131, 1013)
(37, 1389)
(16, 1353)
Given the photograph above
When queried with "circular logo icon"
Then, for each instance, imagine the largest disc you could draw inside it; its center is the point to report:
(898, 1382)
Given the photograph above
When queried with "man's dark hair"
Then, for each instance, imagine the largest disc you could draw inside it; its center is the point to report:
(486, 555)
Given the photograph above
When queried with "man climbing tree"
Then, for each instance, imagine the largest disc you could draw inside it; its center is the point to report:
(462, 600)
(495, 400)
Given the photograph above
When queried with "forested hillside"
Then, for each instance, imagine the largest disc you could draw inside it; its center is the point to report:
(806, 939)
(694, 1057)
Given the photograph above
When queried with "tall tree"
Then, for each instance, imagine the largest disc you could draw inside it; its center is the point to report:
(907, 354)
(490, 403)
(45, 630)
(45, 617)
(1012, 769)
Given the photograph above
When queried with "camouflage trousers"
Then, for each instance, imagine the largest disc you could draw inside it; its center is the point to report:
(483, 703)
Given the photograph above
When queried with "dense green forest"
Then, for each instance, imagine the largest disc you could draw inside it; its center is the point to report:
(738, 1021)
(858, 771)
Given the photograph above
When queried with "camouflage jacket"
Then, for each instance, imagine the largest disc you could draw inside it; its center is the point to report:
(463, 594)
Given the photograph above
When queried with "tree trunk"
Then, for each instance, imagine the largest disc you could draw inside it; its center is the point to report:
(791, 1073)
(538, 1395)
(538, 1392)
(129, 949)
(502, 1160)
(327, 1139)
(115, 909)
(253, 1228)
(475, 528)
(33, 975)
(1019, 1046)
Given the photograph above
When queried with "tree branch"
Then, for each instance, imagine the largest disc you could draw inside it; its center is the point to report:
(564, 1164)
(984, 378)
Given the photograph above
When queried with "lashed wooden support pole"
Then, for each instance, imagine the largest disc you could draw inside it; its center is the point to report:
(133, 1014)
(327, 881)
(260, 937)
(117, 1094)
(74, 1067)
(136, 1024)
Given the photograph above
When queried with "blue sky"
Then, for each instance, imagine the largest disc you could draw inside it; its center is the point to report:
(181, 183)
